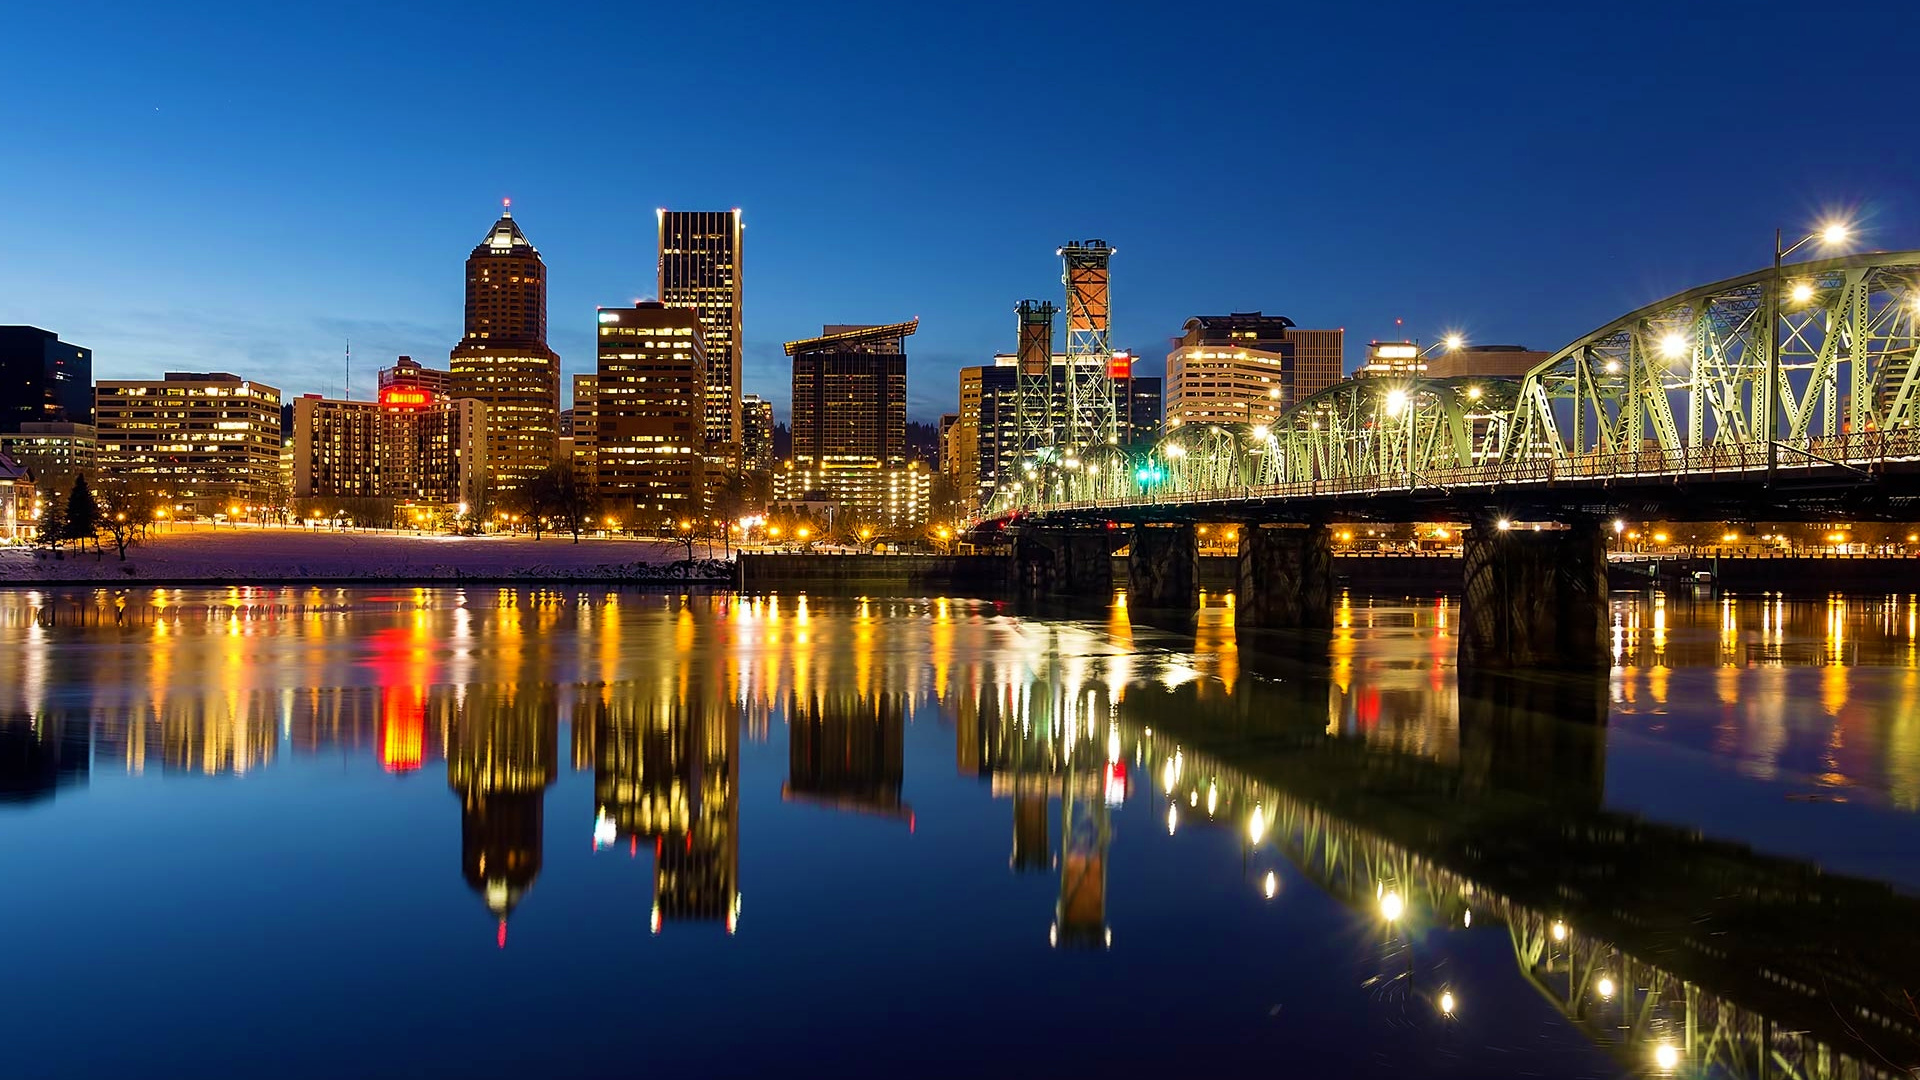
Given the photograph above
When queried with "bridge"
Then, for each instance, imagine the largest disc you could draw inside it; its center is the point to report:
(1786, 394)
(1675, 953)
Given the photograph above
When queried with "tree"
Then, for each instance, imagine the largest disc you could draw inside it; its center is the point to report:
(83, 515)
(53, 524)
(119, 525)
(728, 500)
(558, 495)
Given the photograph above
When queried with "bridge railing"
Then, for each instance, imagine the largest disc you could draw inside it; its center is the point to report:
(1865, 452)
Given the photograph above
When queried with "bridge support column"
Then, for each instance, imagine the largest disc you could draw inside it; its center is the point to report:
(1286, 578)
(1163, 569)
(1534, 599)
(1065, 562)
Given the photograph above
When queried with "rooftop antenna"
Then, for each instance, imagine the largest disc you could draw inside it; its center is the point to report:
(506, 207)
(349, 369)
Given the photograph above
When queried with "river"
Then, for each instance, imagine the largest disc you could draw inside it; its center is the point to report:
(392, 831)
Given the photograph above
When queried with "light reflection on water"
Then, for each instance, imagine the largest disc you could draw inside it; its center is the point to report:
(658, 721)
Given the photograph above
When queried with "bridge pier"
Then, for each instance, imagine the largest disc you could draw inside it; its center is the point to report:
(1534, 599)
(1286, 578)
(1163, 568)
(1065, 562)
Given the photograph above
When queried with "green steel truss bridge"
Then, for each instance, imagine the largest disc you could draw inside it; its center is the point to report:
(1771, 395)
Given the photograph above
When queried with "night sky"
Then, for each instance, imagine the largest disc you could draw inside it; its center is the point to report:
(243, 187)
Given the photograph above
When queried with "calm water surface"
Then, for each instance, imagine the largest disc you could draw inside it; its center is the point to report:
(493, 832)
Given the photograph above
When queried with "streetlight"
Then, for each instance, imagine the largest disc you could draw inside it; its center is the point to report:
(1835, 232)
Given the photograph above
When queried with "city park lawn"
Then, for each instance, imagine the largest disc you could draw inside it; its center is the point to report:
(250, 553)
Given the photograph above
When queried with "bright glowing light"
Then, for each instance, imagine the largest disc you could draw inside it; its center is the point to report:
(1392, 907)
(1559, 931)
(1260, 431)
(603, 830)
(1271, 885)
(1257, 825)
(1619, 526)
(1503, 524)
(1454, 342)
(1173, 817)
(1835, 233)
(1659, 538)
(1673, 346)
(1605, 986)
(802, 532)
(1802, 293)
(1613, 367)
(1473, 393)
(1447, 1002)
(1466, 919)
(1213, 799)
(1728, 538)
(1396, 402)
(1666, 1057)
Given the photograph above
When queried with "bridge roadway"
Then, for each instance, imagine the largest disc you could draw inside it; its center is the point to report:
(1641, 934)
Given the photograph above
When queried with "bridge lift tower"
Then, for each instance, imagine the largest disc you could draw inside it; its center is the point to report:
(1034, 385)
(1092, 422)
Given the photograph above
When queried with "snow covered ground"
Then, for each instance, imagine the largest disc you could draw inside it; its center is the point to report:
(249, 554)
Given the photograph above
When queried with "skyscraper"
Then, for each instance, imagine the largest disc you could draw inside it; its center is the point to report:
(648, 438)
(850, 425)
(43, 379)
(1247, 368)
(700, 269)
(503, 360)
(986, 437)
(756, 433)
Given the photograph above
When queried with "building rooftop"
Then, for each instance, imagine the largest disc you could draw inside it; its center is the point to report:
(863, 335)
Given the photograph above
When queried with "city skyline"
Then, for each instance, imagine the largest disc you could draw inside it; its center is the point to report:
(1450, 241)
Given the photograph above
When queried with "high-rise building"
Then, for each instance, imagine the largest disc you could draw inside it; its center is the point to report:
(502, 751)
(986, 438)
(850, 426)
(1492, 361)
(756, 433)
(503, 359)
(409, 374)
(649, 430)
(700, 269)
(586, 400)
(53, 449)
(207, 440)
(412, 446)
(43, 379)
(1247, 368)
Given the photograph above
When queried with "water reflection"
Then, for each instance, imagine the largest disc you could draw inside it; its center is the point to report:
(1427, 804)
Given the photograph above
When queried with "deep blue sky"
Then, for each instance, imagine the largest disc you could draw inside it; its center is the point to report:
(242, 187)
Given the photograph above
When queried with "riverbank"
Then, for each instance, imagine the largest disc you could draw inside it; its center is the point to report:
(264, 555)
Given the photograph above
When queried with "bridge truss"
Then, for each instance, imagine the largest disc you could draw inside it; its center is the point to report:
(1765, 374)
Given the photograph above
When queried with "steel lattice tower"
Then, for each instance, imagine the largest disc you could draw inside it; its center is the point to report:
(1092, 420)
(1034, 388)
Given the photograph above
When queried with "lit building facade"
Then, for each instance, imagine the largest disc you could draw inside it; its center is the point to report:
(756, 434)
(700, 269)
(850, 426)
(53, 448)
(43, 379)
(17, 520)
(649, 413)
(409, 374)
(586, 402)
(1386, 358)
(411, 446)
(1247, 368)
(207, 440)
(503, 359)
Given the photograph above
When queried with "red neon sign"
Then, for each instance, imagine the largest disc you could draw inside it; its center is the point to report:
(403, 398)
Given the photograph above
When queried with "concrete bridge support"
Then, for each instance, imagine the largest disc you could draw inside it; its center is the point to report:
(1163, 571)
(1066, 562)
(1534, 599)
(1286, 578)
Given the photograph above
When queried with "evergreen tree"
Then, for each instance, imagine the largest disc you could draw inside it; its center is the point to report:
(53, 524)
(83, 514)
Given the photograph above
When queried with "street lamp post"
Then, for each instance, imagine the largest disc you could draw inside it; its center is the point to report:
(1834, 233)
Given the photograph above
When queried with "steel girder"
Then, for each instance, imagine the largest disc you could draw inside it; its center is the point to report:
(1678, 387)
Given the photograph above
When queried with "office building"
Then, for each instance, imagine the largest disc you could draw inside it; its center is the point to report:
(850, 426)
(986, 437)
(503, 359)
(43, 379)
(17, 519)
(586, 393)
(52, 449)
(700, 269)
(1247, 368)
(411, 447)
(409, 374)
(1491, 361)
(1386, 358)
(207, 440)
(756, 434)
(649, 414)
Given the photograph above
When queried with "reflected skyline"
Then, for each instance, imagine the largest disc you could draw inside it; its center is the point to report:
(1077, 736)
